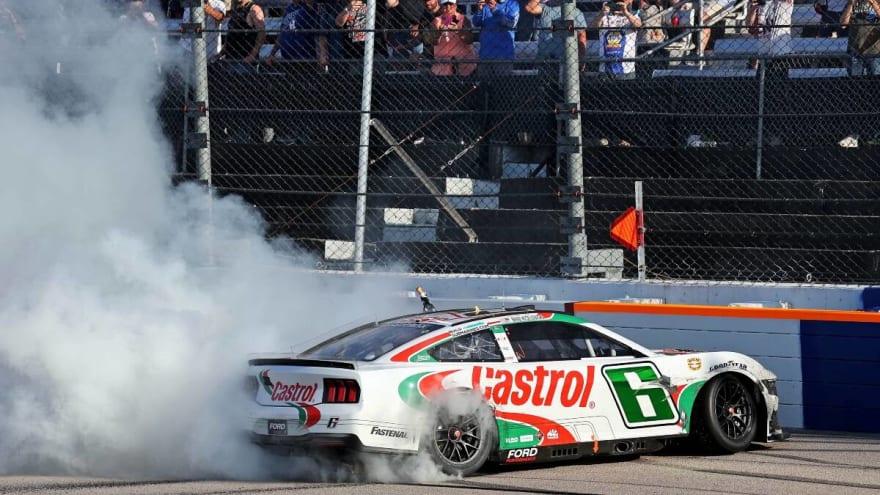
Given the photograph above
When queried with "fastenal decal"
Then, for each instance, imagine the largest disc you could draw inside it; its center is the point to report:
(387, 432)
(538, 387)
(642, 399)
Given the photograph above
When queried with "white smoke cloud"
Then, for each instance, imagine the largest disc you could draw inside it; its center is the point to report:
(123, 344)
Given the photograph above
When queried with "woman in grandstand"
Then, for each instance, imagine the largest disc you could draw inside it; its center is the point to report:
(454, 49)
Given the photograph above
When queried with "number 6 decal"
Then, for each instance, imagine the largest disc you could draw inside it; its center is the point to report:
(641, 398)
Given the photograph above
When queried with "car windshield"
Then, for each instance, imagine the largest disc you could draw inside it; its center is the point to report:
(368, 342)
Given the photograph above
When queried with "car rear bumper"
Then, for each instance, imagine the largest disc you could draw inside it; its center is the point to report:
(318, 441)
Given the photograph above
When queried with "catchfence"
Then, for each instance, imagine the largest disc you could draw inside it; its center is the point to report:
(757, 158)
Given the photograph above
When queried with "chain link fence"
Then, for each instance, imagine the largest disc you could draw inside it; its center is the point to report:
(758, 156)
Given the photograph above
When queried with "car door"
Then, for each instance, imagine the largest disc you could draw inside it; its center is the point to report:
(594, 386)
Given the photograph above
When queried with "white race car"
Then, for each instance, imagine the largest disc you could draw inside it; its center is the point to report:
(511, 386)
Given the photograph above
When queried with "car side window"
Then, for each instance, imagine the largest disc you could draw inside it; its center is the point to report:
(477, 346)
(557, 341)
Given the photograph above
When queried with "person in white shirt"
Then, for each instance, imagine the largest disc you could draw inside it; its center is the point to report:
(617, 38)
(215, 13)
(770, 22)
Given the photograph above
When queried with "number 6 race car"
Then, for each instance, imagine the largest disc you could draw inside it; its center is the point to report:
(511, 386)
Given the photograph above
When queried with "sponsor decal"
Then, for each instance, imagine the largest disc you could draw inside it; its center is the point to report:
(277, 427)
(416, 389)
(408, 353)
(309, 415)
(642, 399)
(522, 455)
(512, 424)
(733, 365)
(388, 432)
(552, 434)
(296, 392)
(473, 327)
(695, 363)
(539, 387)
(527, 438)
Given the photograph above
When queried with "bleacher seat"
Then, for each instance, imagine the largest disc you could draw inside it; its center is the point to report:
(805, 46)
(705, 72)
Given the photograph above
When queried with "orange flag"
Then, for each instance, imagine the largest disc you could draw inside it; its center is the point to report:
(625, 229)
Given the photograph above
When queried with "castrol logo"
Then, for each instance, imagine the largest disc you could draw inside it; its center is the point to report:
(296, 392)
(539, 387)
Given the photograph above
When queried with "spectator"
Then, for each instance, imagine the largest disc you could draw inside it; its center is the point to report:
(711, 9)
(329, 38)
(354, 20)
(551, 46)
(425, 28)
(497, 21)
(829, 18)
(402, 24)
(770, 22)
(215, 12)
(247, 33)
(137, 13)
(297, 38)
(454, 42)
(617, 39)
(863, 43)
(652, 21)
(11, 27)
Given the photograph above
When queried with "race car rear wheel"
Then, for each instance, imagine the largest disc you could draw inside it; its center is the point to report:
(727, 415)
(462, 437)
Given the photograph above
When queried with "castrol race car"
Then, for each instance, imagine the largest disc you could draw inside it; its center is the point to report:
(516, 385)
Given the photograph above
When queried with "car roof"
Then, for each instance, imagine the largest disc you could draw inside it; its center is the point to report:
(451, 317)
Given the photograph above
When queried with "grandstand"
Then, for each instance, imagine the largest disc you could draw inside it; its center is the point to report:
(773, 196)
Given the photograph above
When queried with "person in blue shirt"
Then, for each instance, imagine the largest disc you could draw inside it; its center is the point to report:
(298, 30)
(497, 21)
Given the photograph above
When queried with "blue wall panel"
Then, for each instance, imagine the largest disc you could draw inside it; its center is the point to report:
(841, 373)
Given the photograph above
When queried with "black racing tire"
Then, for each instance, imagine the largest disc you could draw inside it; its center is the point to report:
(461, 436)
(726, 416)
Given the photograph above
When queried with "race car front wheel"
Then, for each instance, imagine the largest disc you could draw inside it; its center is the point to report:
(726, 416)
(462, 436)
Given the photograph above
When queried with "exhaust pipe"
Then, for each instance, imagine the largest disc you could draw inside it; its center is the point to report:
(622, 447)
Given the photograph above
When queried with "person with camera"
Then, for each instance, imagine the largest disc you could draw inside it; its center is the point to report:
(863, 38)
(770, 22)
(454, 47)
(497, 21)
(552, 47)
(617, 39)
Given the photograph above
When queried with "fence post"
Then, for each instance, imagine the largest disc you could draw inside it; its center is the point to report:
(200, 89)
(364, 141)
(577, 241)
(759, 144)
(640, 224)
